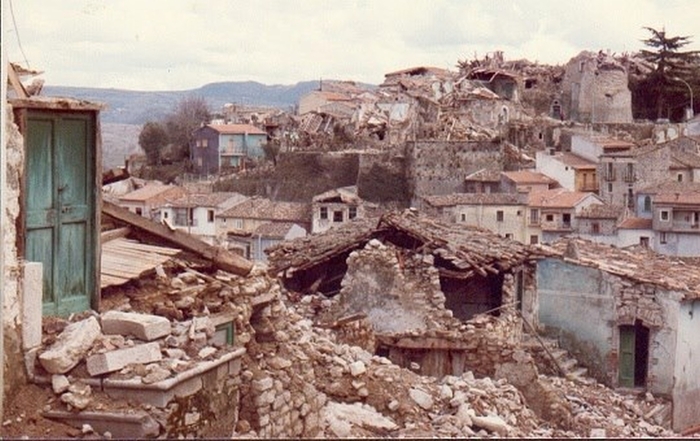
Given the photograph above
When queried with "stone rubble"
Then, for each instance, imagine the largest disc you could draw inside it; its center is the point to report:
(302, 378)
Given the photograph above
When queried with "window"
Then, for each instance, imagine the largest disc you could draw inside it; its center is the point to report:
(337, 216)
(680, 177)
(630, 198)
(644, 241)
(238, 223)
(139, 211)
(662, 237)
(534, 240)
(165, 214)
(610, 187)
(499, 216)
(647, 204)
(519, 213)
(566, 219)
(464, 217)
(210, 216)
(550, 218)
(205, 142)
(534, 216)
(323, 213)
(581, 66)
(509, 235)
(352, 212)
(595, 228)
(664, 215)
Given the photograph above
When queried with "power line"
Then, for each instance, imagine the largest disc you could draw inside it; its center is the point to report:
(19, 43)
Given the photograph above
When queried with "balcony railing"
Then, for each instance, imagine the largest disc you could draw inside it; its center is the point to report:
(629, 177)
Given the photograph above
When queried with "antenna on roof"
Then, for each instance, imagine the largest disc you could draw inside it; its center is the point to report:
(320, 84)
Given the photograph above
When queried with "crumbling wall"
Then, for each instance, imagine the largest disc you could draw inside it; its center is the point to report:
(13, 363)
(439, 167)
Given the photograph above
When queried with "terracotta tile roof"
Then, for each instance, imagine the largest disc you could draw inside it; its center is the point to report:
(462, 250)
(557, 198)
(682, 159)
(640, 265)
(601, 211)
(528, 177)
(636, 151)
(203, 199)
(273, 230)
(636, 223)
(343, 194)
(237, 129)
(485, 175)
(576, 161)
(263, 208)
(674, 193)
(451, 200)
(151, 192)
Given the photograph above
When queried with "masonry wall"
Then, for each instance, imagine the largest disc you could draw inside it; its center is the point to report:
(13, 363)
(584, 308)
(439, 167)
(686, 392)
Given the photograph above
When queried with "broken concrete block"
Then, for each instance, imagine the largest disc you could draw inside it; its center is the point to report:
(59, 383)
(421, 398)
(99, 364)
(357, 368)
(492, 423)
(71, 346)
(205, 352)
(155, 374)
(142, 326)
(78, 395)
(31, 307)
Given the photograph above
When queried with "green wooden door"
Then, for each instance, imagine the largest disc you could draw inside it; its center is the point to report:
(627, 356)
(60, 204)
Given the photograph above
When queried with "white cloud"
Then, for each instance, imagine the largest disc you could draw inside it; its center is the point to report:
(181, 44)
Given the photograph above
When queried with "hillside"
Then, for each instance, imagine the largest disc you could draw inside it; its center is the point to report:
(138, 107)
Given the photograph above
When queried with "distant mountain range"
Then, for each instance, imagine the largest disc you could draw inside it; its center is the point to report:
(134, 107)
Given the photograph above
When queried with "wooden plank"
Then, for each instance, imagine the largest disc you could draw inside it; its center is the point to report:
(222, 258)
(117, 233)
(129, 246)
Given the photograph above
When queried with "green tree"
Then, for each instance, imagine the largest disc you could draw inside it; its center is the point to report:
(152, 139)
(190, 113)
(659, 93)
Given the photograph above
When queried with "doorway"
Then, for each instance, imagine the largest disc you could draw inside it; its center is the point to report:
(634, 355)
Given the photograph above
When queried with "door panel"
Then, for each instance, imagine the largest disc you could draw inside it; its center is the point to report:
(627, 352)
(60, 207)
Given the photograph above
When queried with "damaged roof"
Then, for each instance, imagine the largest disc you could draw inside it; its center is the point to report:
(641, 264)
(601, 211)
(461, 251)
(451, 200)
(263, 208)
(558, 198)
(343, 194)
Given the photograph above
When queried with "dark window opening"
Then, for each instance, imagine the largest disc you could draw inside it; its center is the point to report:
(499, 216)
(139, 211)
(337, 216)
(566, 220)
(323, 214)
(210, 216)
(477, 295)
(352, 212)
(647, 203)
(550, 218)
(595, 228)
(534, 239)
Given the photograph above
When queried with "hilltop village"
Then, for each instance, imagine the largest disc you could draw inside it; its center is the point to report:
(499, 250)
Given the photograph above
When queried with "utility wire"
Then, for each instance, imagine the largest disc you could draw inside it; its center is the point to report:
(19, 43)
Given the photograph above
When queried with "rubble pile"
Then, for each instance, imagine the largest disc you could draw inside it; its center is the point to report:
(303, 375)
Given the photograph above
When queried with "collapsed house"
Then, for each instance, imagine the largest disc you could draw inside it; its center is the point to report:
(429, 290)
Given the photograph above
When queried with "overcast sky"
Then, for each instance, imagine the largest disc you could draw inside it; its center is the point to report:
(184, 44)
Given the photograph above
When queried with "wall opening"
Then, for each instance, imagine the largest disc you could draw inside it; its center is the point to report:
(476, 295)
(634, 355)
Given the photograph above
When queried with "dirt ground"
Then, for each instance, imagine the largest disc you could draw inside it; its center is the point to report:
(23, 419)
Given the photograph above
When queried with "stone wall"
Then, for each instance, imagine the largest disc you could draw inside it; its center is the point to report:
(13, 363)
(439, 167)
(382, 178)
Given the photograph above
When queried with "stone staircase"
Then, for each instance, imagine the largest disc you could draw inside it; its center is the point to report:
(555, 360)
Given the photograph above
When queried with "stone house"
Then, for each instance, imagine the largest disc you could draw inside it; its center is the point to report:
(553, 213)
(195, 213)
(629, 315)
(335, 207)
(146, 200)
(595, 90)
(237, 226)
(219, 146)
(502, 213)
(571, 171)
(486, 180)
(526, 181)
(598, 220)
(623, 173)
(685, 165)
(674, 211)
(418, 280)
